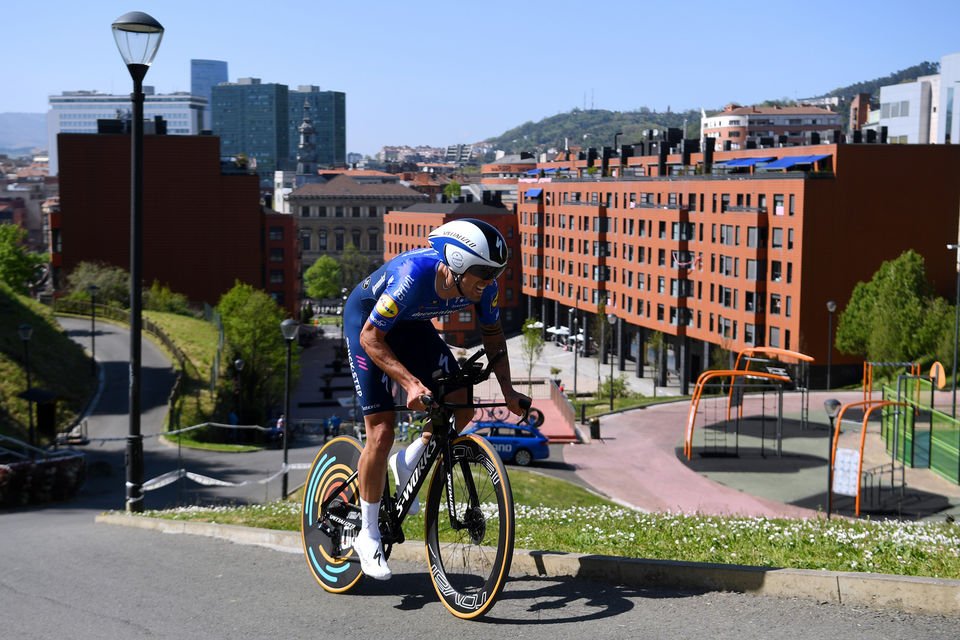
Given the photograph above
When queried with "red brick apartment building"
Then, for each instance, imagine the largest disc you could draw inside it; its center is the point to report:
(743, 249)
(203, 226)
(410, 228)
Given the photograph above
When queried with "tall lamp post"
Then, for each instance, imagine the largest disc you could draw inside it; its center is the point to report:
(289, 329)
(138, 37)
(956, 331)
(238, 365)
(573, 337)
(25, 332)
(92, 290)
(832, 408)
(831, 307)
(611, 320)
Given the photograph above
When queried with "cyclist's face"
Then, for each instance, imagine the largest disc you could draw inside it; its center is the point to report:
(473, 286)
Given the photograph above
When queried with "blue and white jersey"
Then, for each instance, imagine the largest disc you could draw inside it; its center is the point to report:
(405, 289)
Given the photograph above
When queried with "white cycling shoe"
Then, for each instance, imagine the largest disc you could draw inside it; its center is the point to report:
(370, 553)
(402, 473)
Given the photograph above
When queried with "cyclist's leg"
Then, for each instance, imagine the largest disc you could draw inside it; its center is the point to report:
(373, 460)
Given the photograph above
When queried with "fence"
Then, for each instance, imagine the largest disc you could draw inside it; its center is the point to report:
(923, 437)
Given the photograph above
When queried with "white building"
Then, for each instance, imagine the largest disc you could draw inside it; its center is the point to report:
(78, 112)
(909, 110)
(948, 125)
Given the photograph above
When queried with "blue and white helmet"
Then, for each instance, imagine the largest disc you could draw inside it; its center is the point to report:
(470, 245)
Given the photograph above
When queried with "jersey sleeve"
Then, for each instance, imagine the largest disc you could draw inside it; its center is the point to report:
(489, 310)
(400, 293)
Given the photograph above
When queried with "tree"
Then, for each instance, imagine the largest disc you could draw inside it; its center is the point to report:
(323, 278)
(113, 283)
(354, 266)
(251, 328)
(895, 317)
(532, 346)
(18, 265)
(451, 190)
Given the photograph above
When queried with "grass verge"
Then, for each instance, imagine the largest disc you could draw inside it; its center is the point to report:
(558, 516)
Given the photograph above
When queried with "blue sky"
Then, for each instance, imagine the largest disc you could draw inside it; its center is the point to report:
(441, 73)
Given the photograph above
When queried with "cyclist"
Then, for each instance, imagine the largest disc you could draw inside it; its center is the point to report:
(390, 338)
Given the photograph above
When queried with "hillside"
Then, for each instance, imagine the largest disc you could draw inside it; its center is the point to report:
(596, 127)
(57, 364)
(21, 133)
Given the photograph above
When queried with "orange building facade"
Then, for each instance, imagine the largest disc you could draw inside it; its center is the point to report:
(743, 250)
(410, 229)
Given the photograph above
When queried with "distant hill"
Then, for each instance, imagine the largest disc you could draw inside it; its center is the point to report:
(596, 127)
(21, 133)
(592, 128)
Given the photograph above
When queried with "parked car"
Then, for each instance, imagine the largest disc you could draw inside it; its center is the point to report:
(520, 444)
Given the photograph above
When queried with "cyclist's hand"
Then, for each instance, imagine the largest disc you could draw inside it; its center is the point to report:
(517, 402)
(414, 391)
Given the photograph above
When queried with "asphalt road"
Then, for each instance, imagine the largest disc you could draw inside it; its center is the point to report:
(61, 575)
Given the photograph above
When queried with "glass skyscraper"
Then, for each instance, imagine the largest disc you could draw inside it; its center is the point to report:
(251, 119)
(328, 111)
(204, 75)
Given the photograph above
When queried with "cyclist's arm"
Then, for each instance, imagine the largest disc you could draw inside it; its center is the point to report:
(374, 342)
(493, 343)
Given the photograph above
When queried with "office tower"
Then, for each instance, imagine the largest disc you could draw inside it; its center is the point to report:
(328, 112)
(204, 75)
(252, 119)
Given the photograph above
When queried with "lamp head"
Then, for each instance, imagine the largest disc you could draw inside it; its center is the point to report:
(611, 319)
(25, 331)
(832, 407)
(238, 364)
(138, 37)
(289, 329)
(92, 290)
(831, 306)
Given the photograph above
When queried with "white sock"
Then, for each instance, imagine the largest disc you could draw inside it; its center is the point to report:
(370, 518)
(412, 453)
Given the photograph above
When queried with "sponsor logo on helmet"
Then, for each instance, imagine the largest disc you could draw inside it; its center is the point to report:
(387, 307)
(449, 233)
(456, 259)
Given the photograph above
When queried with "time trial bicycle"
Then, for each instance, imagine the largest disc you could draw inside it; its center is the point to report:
(468, 517)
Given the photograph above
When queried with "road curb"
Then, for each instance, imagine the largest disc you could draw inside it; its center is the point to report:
(929, 596)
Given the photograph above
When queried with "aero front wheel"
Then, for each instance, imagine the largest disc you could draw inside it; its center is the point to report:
(470, 556)
(328, 532)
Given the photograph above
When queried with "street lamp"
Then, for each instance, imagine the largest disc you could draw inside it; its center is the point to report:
(289, 329)
(611, 320)
(92, 290)
(238, 365)
(573, 337)
(343, 307)
(138, 37)
(956, 331)
(25, 332)
(832, 408)
(831, 307)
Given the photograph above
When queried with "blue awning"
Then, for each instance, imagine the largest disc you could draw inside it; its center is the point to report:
(817, 158)
(746, 162)
(551, 170)
(534, 193)
(531, 172)
(786, 163)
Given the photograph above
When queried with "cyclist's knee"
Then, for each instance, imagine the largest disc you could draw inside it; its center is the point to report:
(380, 432)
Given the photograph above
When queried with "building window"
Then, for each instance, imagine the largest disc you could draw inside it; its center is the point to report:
(304, 212)
(355, 212)
(776, 238)
(338, 212)
(355, 238)
(321, 212)
(775, 337)
(276, 255)
(776, 271)
(276, 276)
(372, 212)
(276, 234)
(373, 242)
(466, 315)
(774, 305)
(321, 240)
(338, 240)
(305, 241)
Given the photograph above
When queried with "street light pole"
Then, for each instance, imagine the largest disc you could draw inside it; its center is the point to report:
(238, 365)
(832, 407)
(831, 307)
(573, 337)
(25, 332)
(956, 332)
(138, 37)
(289, 329)
(92, 290)
(611, 320)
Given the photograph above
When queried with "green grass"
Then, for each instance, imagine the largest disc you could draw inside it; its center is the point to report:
(555, 515)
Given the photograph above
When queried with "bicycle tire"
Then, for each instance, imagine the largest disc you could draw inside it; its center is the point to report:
(534, 417)
(469, 567)
(331, 561)
(500, 414)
